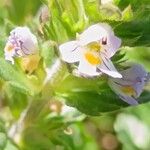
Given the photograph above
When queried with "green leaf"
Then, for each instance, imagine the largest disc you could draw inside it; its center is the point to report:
(3, 136)
(1, 46)
(92, 10)
(48, 53)
(16, 78)
(133, 33)
(110, 12)
(42, 128)
(91, 97)
(65, 21)
(72, 83)
(16, 100)
(18, 11)
(140, 9)
(92, 103)
(138, 55)
(3, 140)
(65, 140)
(11, 146)
(127, 14)
(33, 138)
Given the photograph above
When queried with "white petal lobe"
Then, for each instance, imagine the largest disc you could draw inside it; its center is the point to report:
(95, 33)
(87, 69)
(70, 52)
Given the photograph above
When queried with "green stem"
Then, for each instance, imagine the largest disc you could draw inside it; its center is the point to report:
(55, 76)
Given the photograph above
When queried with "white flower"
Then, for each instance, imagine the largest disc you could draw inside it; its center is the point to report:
(21, 42)
(131, 85)
(93, 50)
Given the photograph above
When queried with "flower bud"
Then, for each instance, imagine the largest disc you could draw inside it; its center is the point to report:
(21, 43)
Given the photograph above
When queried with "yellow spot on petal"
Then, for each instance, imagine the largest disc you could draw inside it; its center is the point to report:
(94, 46)
(92, 53)
(92, 58)
(128, 90)
(9, 47)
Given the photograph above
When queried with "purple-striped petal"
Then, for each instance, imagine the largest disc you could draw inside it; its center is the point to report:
(131, 85)
(129, 100)
(108, 68)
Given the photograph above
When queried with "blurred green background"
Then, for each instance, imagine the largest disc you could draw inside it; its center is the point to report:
(29, 123)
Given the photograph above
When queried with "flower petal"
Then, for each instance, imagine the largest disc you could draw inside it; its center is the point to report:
(117, 89)
(134, 73)
(9, 52)
(9, 58)
(129, 100)
(137, 75)
(113, 44)
(131, 85)
(21, 42)
(147, 79)
(70, 52)
(139, 86)
(87, 69)
(95, 33)
(107, 67)
(28, 40)
(115, 86)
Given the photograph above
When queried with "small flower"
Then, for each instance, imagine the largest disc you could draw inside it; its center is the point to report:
(21, 42)
(93, 50)
(131, 85)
